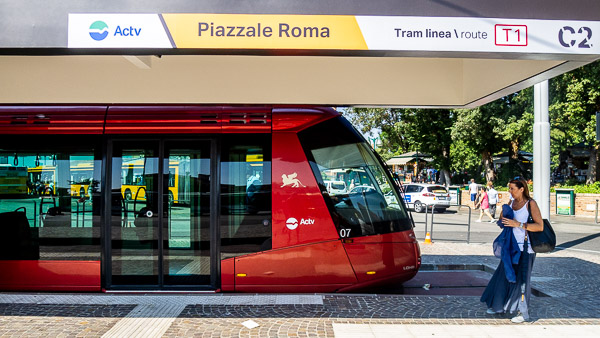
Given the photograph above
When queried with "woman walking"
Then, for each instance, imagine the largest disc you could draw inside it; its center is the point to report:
(510, 291)
(485, 205)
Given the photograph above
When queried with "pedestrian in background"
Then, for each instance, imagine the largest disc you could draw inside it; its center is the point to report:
(492, 199)
(509, 289)
(485, 205)
(473, 192)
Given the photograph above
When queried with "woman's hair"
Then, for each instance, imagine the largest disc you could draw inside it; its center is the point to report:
(483, 189)
(521, 183)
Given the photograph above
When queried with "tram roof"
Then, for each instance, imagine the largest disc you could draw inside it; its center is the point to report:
(433, 53)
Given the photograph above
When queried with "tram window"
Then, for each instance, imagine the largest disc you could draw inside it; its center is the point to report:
(370, 203)
(245, 195)
(50, 192)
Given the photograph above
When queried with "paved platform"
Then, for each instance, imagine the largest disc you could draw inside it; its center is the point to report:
(569, 277)
(427, 330)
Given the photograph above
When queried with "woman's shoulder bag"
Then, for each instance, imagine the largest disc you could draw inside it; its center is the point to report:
(544, 241)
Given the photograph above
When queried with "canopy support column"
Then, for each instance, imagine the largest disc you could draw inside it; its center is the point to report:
(541, 149)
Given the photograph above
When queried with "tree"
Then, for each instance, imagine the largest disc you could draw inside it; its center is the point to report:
(402, 130)
(428, 130)
(463, 159)
(386, 122)
(475, 128)
(575, 101)
(514, 125)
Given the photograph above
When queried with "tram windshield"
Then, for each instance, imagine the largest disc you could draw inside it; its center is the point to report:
(358, 190)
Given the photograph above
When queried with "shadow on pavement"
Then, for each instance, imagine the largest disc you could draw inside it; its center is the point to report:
(578, 241)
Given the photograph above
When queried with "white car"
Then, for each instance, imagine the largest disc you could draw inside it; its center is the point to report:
(361, 188)
(419, 195)
(335, 187)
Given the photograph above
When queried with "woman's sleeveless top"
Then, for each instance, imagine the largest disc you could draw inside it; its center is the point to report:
(485, 204)
(521, 215)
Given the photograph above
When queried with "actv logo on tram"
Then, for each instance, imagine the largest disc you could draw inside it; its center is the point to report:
(292, 223)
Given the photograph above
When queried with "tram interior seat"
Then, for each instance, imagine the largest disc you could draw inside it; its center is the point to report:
(18, 241)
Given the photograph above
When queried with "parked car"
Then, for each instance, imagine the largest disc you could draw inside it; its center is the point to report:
(420, 195)
(361, 188)
(335, 187)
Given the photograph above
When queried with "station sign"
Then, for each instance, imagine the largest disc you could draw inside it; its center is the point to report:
(333, 32)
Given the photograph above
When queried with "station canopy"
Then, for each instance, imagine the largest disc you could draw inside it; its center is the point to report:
(426, 53)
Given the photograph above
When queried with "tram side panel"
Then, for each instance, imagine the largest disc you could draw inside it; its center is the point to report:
(310, 253)
(300, 215)
(317, 267)
(388, 259)
(307, 255)
(370, 218)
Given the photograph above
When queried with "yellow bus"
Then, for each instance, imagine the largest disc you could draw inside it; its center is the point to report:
(81, 179)
(133, 185)
(43, 180)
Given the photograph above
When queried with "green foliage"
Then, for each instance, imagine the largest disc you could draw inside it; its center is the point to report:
(479, 130)
(463, 157)
(513, 127)
(484, 128)
(428, 131)
(403, 130)
(575, 98)
(386, 122)
(580, 188)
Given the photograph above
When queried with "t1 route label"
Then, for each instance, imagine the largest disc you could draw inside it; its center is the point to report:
(511, 35)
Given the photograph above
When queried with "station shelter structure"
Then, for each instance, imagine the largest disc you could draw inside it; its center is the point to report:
(84, 85)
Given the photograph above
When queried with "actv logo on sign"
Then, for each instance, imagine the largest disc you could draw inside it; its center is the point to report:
(99, 30)
(105, 30)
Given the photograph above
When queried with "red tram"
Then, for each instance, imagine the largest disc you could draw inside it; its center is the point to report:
(229, 198)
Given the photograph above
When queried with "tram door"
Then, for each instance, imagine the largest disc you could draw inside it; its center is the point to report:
(160, 223)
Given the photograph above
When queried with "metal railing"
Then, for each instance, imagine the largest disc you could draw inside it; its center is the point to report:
(432, 207)
(80, 211)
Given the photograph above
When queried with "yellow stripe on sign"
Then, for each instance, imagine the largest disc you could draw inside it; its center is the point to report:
(248, 31)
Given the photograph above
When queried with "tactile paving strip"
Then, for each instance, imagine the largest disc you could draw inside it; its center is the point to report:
(146, 321)
(258, 299)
